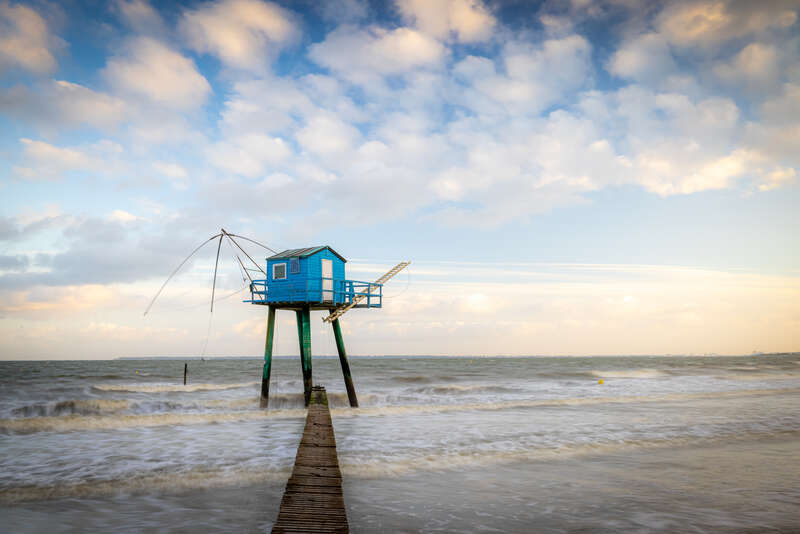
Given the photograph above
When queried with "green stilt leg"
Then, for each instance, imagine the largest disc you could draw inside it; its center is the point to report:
(304, 335)
(267, 357)
(348, 378)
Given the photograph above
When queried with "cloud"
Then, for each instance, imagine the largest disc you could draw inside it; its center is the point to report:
(172, 170)
(13, 263)
(644, 58)
(120, 247)
(43, 161)
(713, 22)
(666, 174)
(344, 11)
(149, 69)
(37, 303)
(177, 174)
(51, 161)
(122, 216)
(535, 77)
(25, 40)
(249, 155)
(327, 135)
(677, 145)
(59, 103)
(140, 16)
(467, 21)
(244, 34)
(264, 106)
(784, 108)
(20, 228)
(361, 55)
(778, 178)
(756, 65)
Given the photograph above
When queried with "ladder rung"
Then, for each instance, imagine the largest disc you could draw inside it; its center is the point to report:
(338, 312)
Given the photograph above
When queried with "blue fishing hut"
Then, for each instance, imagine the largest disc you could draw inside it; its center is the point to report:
(306, 279)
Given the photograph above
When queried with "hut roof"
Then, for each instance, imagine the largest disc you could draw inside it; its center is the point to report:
(304, 253)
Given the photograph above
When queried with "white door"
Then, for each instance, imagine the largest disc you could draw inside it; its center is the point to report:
(327, 280)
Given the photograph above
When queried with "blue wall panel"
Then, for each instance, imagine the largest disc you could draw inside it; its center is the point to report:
(305, 286)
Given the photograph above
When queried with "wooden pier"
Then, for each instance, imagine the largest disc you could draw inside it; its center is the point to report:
(313, 501)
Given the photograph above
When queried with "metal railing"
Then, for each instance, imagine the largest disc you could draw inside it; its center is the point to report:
(313, 290)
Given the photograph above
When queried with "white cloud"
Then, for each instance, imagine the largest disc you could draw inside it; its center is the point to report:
(140, 16)
(713, 22)
(345, 11)
(327, 135)
(677, 145)
(361, 55)
(784, 108)
(51, 160)
(25, 40)
(485, 140)
(175, 172)
(150, 69)
(171, 170)
(249, 155)
(535, 77)
(43, 161)
(122, 216)
(157, 127)
(643, 58)
(243, 33)
(39, 304)
(756, 64)
(259, 106)
(668, 169)
(60, 103)
(777, 178)
(518, 168)
(469, 21)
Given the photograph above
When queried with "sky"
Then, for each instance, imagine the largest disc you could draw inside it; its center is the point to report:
(566, 177)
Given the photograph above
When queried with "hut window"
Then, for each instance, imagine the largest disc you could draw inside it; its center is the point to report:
(294, 265)
(279, 271)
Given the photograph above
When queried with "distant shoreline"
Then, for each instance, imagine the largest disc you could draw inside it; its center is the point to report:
(430, 356)
(484, 356)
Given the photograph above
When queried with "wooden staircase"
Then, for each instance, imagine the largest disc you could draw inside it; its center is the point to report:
(338, 312)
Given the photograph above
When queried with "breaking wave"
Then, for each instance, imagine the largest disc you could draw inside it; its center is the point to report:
(412, 379)
(756, 376)
(161, 388)
(639, 373)
(282, 401)
(292, 406)
(456, 388)
(72, 407)
(386, 467)
(95, 422)
(150, 483)
(579, 401)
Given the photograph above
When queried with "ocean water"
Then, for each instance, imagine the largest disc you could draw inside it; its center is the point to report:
(664, 444)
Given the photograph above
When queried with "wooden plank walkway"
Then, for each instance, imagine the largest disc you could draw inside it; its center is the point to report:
(313, 501)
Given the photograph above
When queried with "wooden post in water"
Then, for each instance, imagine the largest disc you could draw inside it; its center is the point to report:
(185, 371)
(348, 378)
(304, 336)
(267, 357)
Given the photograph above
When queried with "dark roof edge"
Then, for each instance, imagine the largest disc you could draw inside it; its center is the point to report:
(304, 253)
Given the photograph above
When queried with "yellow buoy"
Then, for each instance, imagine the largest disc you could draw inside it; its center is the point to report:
(600, 381)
